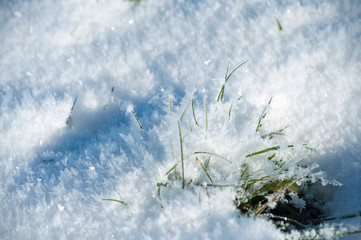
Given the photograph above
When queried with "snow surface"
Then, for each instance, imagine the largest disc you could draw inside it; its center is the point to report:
(53, 177)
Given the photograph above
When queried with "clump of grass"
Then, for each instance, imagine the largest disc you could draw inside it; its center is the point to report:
(262, 192)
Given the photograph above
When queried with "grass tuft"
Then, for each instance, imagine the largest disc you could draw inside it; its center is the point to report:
(258, 189)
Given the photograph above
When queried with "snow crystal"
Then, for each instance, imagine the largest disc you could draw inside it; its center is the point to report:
(116, 57)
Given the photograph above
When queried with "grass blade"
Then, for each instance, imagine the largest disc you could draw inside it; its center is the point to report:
(272, 134)
(264, 206)
(204, 169)
(220, 94)
(180, 119)
(263, 115)
(213, 154)
(240, 65)
(171, 169)
(226, 77)
(263, 151)
(69, 120)
(114, 200)
(181, 149)
(230, 110)
(279, 25)
(135, 116)
(190, 127)
(245, 170)
(194, 115)
(207, 162)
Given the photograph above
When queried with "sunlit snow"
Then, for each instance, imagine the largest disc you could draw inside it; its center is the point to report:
(144, 61)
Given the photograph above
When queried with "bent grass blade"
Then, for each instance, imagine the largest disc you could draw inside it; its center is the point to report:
(226, 78)
(209, 153)
(114, 200)
(194, 115)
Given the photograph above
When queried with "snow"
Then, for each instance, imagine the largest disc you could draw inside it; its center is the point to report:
(53, 176)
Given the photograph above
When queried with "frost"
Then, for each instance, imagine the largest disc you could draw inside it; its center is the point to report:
(117, 57)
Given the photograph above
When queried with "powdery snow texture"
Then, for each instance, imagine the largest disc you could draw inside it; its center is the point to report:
(53, 177)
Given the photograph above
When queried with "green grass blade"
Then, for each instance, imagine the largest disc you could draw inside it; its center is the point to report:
(263, 115)
(207, 162)
(336, 218)
(244, 172)
(135, 116)
(272, 134)
(180, 119)
(258, 179)
(171, 169)
(114, 200)
(190, 127)
(181, 149)
(226, 77)
(220, 94)
(194, 115)
(209, 153)
(205, 170)
(240, 65)
(230, 110)
(263, 151)
(279, 25)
